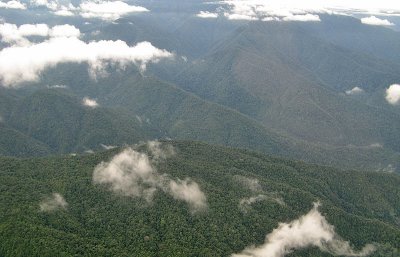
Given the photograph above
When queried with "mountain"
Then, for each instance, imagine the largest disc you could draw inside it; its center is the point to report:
(179, 114)
(92, 220)
(294, 82)
(273, 87)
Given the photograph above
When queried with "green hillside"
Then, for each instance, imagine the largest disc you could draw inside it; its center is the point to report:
(363, 206)
(60, 121)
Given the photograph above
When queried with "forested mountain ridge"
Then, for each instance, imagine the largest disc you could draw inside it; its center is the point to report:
(98, 220)
(135, 108)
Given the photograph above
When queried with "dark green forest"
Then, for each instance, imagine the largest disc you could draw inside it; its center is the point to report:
(363, 206)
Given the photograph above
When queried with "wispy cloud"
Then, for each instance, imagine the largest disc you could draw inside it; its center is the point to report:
(53, 203)
(131, 173)
(372, 20)
(393, 94)
(258, 194)
(108, 147)
(309, 230)
(25, 63)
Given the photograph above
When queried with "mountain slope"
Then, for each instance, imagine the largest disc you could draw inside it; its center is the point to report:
(60, 121)
(100, 222)
(291, 81)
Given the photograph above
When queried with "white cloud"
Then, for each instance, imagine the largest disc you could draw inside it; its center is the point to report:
(64, 31)
(89, 102)
(64, 12)
(309, 230)
(108, 147)
(188, 191)
(57, 86)
(53, 203)
(108, 10)
(306, 10)
(131, 173)
(13, 4)
(238, 16)
(25, 63)
(12, 34)
(302, 17)
(372, 20)
(393, 94)
(206, 15)
(355, 91)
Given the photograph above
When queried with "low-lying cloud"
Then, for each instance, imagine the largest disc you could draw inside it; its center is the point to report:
(372, 20)
(259, 195)
(393, 94)
(246, 203)
(92, 103)
(25, 63)
(53, 203)
(13, 4)
(310, 230)
(108, 147)
(14, 35)
(355, 91)
(131, 173)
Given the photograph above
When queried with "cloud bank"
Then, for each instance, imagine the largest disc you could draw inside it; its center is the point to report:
(372, 20)
(13, 4)
(293, 10)
(131, 173)
(309, 230)
(53, 203)
(106, 10)
(393, 94)
(12, 34)
(25, 63)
